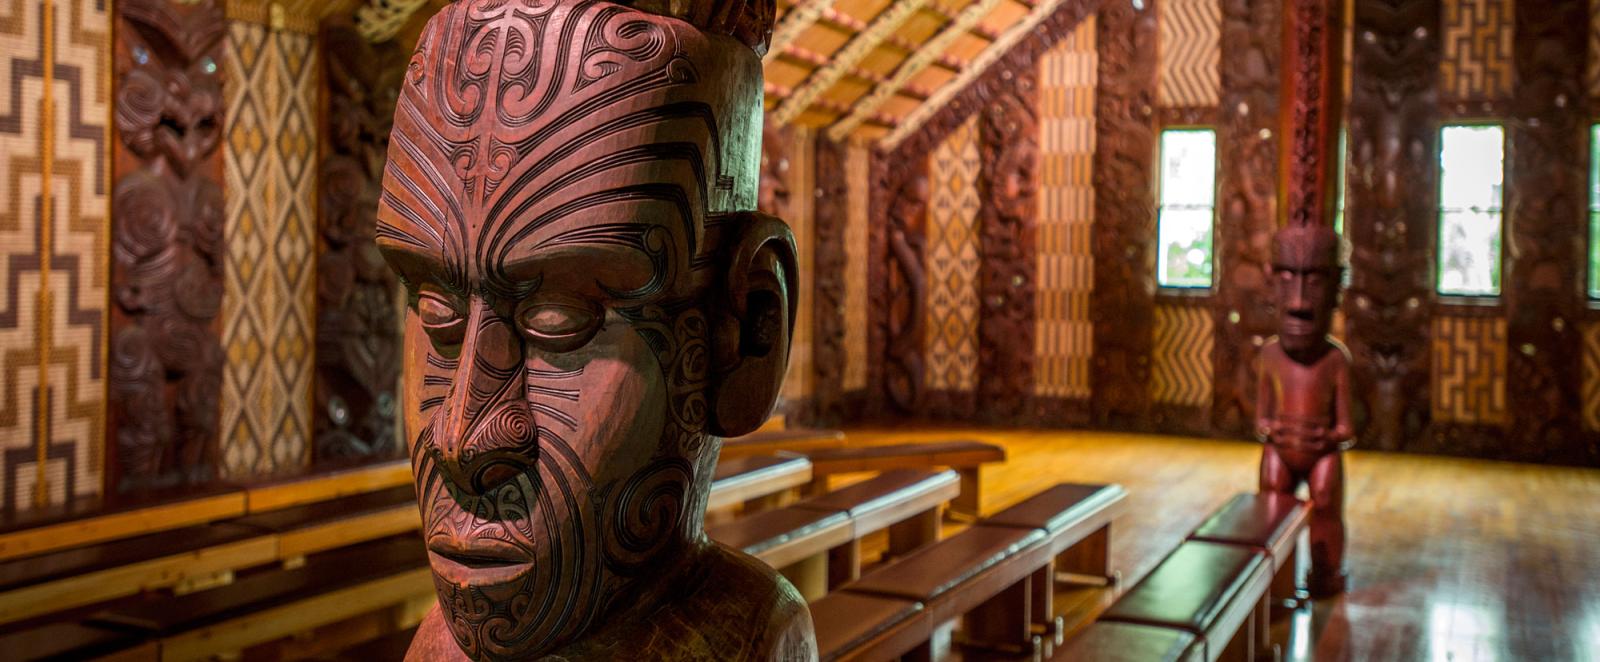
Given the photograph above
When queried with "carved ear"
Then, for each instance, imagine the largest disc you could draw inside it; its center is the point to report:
(754, 325)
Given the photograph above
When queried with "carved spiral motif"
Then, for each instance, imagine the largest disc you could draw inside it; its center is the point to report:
(140, 101)
(648, 515)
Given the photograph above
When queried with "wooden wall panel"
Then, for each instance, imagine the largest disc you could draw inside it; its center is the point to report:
(1591, 376)
(828, 281)
(1476, 63)
(799, 151)
(858, 185)
(950, 347)
(54, 278)
(1123, 303)
(1007, 245)
(1181, 360)
(1469, 370)
(269, 154)
(1065, 336)
(1190, 50)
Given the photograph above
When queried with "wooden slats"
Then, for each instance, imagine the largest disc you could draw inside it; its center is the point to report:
(323, 487)
(101, 528)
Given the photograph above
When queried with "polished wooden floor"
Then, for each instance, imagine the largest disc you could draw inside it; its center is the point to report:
(1450, 559)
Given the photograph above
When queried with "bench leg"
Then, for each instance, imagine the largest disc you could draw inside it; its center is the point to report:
(1049, 627)
(1089, 561)
(921, 529)
(1002, 625)
(964, 508)
(844, 564)
(936, 648)
(809, 576)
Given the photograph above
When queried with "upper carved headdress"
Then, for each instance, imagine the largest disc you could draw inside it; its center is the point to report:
(749, 21)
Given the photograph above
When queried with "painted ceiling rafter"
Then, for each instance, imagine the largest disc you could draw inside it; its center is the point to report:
(849, 24)
(821, 80)
(802, 15)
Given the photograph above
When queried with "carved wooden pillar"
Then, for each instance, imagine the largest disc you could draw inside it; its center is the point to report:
(828, 281)
(1007, 275)
(1390, 211)
(1123, 303)
(358, 297)
(1247, 137)
(900, 197)
(1310, 111)
(1545, 266)
(167, 244)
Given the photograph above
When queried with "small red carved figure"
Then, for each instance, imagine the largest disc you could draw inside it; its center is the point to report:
(1303, 404)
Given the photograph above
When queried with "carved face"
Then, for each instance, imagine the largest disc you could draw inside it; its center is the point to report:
(1306, 274)
(548, 204)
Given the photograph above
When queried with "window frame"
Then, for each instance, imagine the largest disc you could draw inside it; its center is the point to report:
(1185, 291)
(1470, 299)
(1591, 254)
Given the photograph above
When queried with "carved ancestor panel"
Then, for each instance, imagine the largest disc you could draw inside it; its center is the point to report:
(899, 279)
(1181, 358)
(1007, 274)
(1390, 206)
(53, 288)
(1591, 376)
(1548, 204)
(1190, 52)
(1123, 302)
(1064, 336)
(1476, 64)
(858, 191)
(950, 349)
(827, 276)
(1247, 175)
(358, 297)
(1469, 370)
(167, 243)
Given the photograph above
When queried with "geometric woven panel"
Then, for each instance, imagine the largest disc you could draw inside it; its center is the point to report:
(1469, 370)
(269, 156)
(1190, 53)
(858, 188)
(1591, 377)
(1065, 336)
(800, 212)
(1476, 63)
(53, 252)
(950, 338)
(1181, 369)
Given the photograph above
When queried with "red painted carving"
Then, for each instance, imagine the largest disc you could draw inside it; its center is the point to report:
(1123, 303)
(592, 306)
(827, 282)
(1247, 185)
(1313, 45)
(1390, 209)
(358, 297)
(167, 245)
(1007, 275)
(1303, 417)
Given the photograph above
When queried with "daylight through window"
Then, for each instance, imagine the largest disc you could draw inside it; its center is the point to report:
(1471, 187)
(1188, 208)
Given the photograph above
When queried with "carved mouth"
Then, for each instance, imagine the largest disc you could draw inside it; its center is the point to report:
(477, 565)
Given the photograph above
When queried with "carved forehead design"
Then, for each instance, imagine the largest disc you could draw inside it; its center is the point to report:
(1306, 248)
(531, 126)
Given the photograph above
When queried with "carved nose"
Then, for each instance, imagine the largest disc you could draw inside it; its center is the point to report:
(486, 435)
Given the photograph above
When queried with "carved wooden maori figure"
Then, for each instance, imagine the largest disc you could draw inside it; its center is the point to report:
(1123, 303)
(827, 282)
(167, 247)
(1547, 214)
(1390, 212)
(1303, 405)
(1008, 185)
(1248, 174)
(901, 293)
(592, 307)
(358, 306)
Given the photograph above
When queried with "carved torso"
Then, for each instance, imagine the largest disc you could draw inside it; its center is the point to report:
(1303, 410)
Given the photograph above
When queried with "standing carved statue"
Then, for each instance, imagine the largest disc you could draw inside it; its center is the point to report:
(1303, 405)
(593, 304)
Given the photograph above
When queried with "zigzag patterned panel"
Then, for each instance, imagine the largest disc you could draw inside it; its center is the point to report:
(1064, 341)
(1191, 52)
(53, 282)
(269, 152)
(1477, 40)
(1591, 377)
(1469, 370)
(950, 342)
(858, 181)
(1181, 369)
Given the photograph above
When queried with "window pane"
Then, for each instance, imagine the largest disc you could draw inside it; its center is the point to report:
(1187, 215)
(1471, 183)
(1594, 211)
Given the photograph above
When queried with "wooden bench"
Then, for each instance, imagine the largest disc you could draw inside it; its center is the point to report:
(302, 490)
(392, 646)
(325, 525)
(966, 457)
(1127, 642)
(276, 603)
(906, 502)
(756, 477)
(1213, 591)
(1273, 524)
(92, 521)
(75, 642)
(769, 442)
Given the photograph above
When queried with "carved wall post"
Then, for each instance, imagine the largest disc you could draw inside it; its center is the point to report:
(898, 283)
(359, 301)
(1544, 268)
(1123, 303)
(1311, 109)
(828, 281)
(1390, 208)
(1247, 137)
(167, 244)
(1007, 276)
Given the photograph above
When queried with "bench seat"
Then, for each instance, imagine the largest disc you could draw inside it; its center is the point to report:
(784, 536)
(1208, 589)
(392, 646)
(72, 642)
(1127, 642)
(744, 478)
(94, 520)
(1266, 521)
(326, 525)
(933, 574)
(866, 627)
(798, 440)
(889, 498)
(965, 456)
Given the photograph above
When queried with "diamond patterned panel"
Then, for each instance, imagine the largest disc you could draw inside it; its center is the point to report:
(950, 343)
(1065, 336)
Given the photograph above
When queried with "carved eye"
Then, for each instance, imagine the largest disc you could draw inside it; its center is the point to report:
(560, 326)
(445, 325)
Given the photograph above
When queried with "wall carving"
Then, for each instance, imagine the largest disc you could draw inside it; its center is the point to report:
(167, 244)
(1389, 209)
(1124, 174)
(1469, 370)
(1247, 194)
(359, 302)
(1547, 220)
(1181, 365)
(950, 347)
(898, 276)
(858, 221)
(1477, 62)
(1190, 53)
(1007, 278)
(827, 276)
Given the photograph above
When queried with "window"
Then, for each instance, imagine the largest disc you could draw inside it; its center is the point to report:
(1184, 224)
(1594, 212)
(1471, 183)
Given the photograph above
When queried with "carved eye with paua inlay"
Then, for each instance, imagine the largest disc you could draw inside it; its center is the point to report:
(559, 325)
(445, 324)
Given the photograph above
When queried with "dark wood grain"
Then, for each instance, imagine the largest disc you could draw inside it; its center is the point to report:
(1008, 190)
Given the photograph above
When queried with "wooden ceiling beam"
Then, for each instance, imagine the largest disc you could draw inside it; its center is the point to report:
(977, 30)
(850, 25)
(861, 75)
(846, 59)
(802, 15)
(777, 91)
